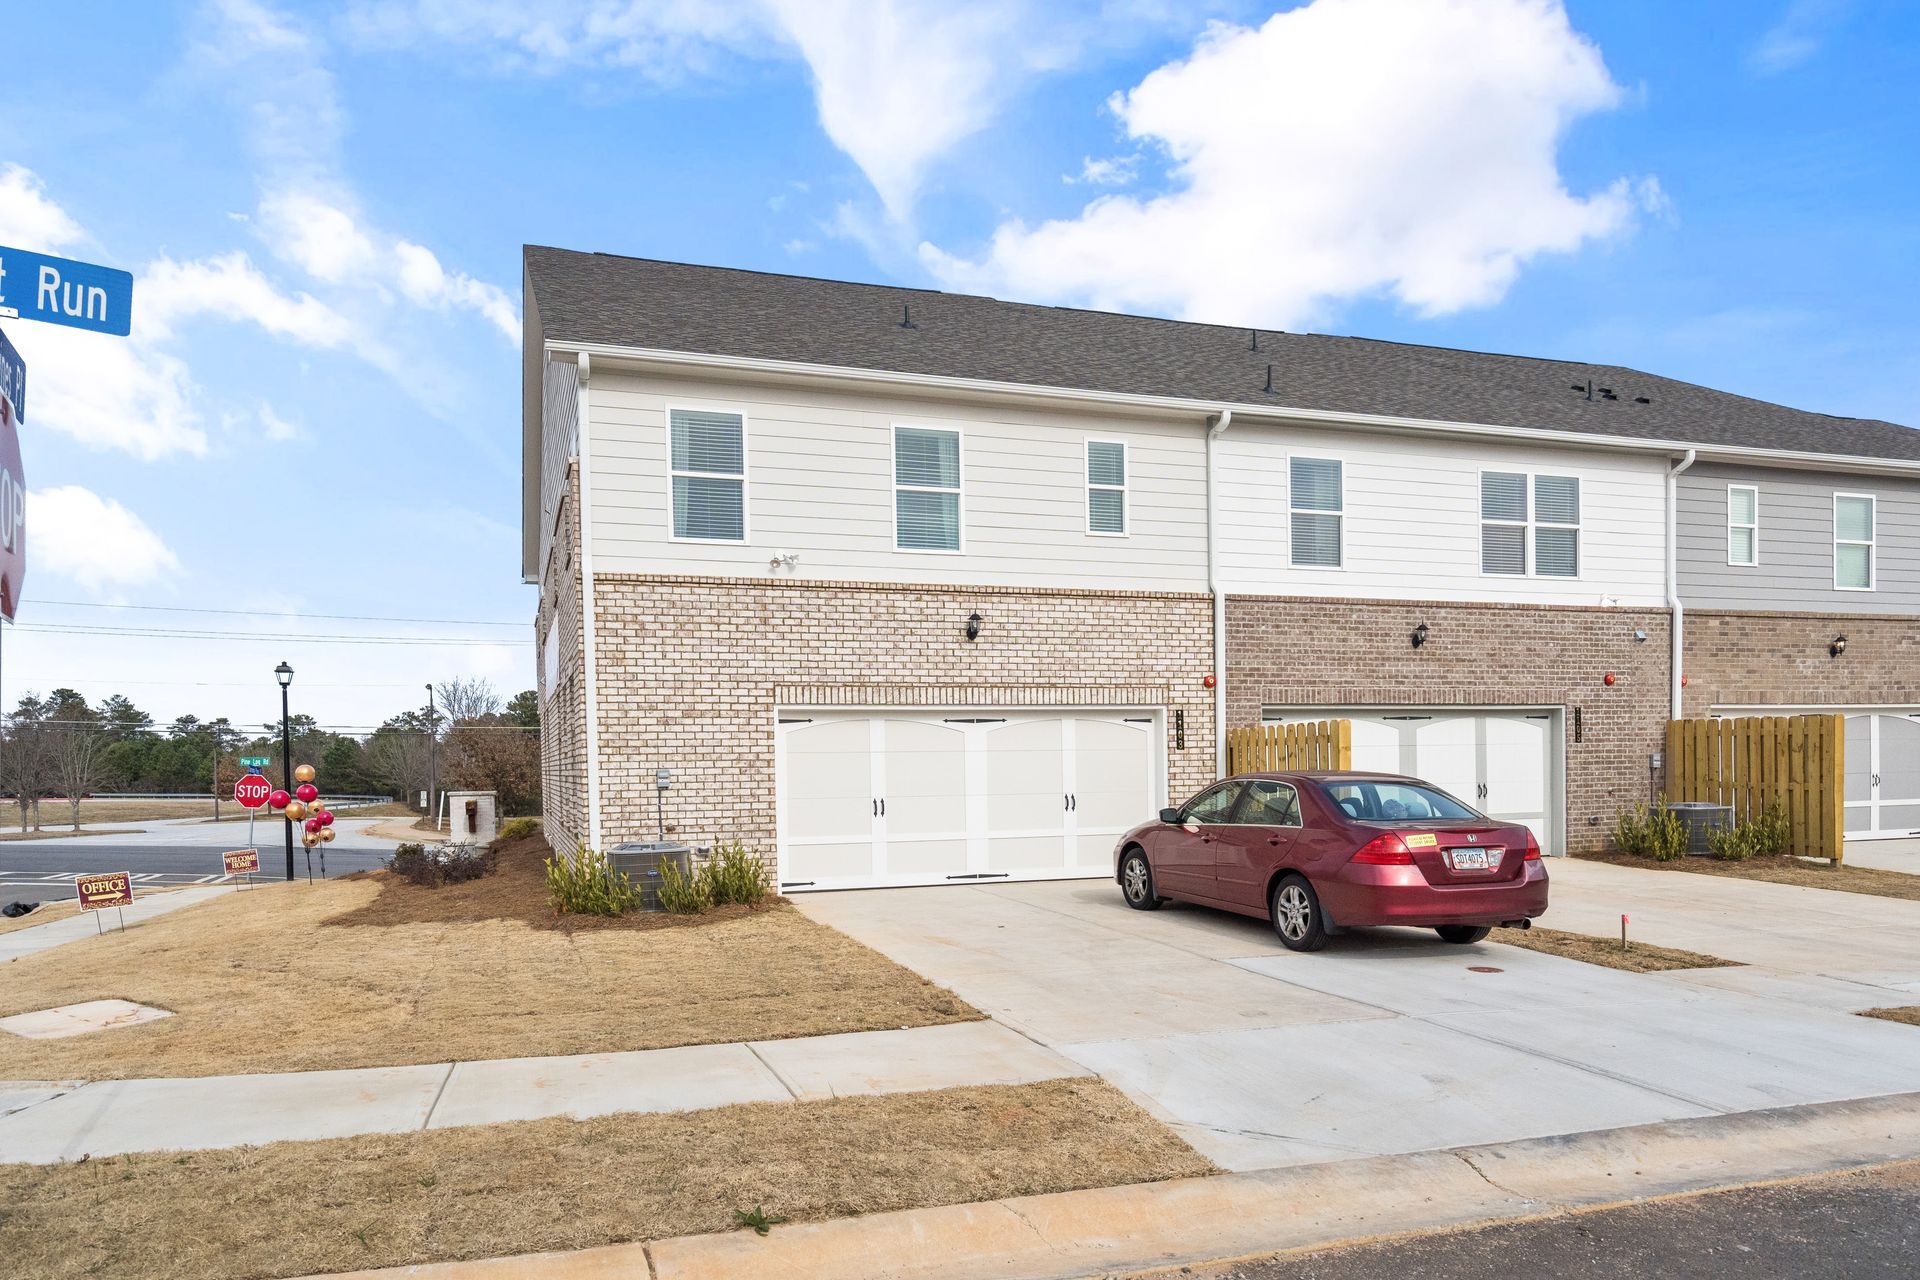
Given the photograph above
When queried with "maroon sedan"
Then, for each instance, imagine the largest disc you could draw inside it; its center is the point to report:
(1316, 853)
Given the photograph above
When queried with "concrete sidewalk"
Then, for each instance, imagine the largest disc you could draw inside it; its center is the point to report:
(1116, 1230)
(45, 1122)
(39, 937)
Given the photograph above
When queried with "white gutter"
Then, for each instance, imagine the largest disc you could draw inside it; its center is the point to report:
(584, 428)
(1678, 626)
(1245, 410)
(1214, 429)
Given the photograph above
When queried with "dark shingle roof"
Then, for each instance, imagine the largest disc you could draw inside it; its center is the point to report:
(638, 302)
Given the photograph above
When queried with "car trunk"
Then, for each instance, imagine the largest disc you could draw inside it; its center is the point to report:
(1447, 852)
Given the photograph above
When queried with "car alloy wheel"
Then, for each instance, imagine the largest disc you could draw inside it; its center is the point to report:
(1136, 882)
(1292, 913)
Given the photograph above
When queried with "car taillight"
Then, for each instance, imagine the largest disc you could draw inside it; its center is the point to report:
(1533, 848)
(1388, 850)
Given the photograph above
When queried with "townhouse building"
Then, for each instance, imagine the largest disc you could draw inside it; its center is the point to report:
(905, 587)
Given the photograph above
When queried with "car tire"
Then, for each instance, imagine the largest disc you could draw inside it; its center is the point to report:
(1463, 934)
(1294, 909)
(1136, 882)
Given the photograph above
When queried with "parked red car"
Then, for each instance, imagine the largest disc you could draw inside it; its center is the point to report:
(1316, 853)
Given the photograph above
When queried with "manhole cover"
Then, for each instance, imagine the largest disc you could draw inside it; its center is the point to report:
(1483, 968)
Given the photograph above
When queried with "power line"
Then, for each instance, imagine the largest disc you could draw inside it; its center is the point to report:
(269, 613)
(162, 633)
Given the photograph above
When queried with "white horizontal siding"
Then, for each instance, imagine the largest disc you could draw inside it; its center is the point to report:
(1412, 519)
(820, 483)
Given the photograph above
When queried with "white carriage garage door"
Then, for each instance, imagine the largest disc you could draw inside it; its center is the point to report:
(874, 798)
(1503, 761)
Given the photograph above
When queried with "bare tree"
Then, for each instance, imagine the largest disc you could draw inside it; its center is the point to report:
(398, 759)
(25, 767)
(76, 759)
(467, 698)
(501, 758)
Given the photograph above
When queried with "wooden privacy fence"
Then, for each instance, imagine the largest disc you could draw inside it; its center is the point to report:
(1267, 748)
(1752, 762)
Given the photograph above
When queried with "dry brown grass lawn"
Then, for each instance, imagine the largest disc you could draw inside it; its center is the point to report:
(49, 911)
(1795, 871)
(1909, 1014)
(370, 970)
(296, 1208)
(1638, 957)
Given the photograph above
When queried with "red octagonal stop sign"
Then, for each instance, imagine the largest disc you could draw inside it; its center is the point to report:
(252, 790)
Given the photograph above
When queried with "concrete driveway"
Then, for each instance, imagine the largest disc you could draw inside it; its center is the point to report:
(1390, 1041)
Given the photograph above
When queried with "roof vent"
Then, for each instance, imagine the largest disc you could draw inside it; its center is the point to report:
(1253, 340)
(906, 317)
(1643, 400)
(1269, 387)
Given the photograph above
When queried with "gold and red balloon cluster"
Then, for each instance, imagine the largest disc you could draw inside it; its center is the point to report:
(304, 807)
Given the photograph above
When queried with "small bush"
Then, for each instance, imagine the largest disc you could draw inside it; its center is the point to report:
(1630, 831)
(1657, 833)
(733, 874)
(585, 885)
(518, 828)
(681, 892)
(1764, 835)
(447, 864)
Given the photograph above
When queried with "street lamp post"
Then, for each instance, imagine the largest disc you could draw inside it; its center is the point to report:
(284, 674)
(430, 771)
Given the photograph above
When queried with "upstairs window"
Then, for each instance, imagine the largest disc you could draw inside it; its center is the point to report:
(1853, 517)
(1106, 487)
(926, 489)
(1518, 537)
(1743, 524)
(709, 475)
(1316, 503)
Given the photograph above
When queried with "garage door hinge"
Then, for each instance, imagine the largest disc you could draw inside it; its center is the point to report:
(1138, 719)
(795, 884)
(804, 720)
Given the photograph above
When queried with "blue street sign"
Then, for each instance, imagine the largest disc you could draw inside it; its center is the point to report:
(13, 378)
(80, 295)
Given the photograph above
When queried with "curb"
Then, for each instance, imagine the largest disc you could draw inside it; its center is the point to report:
(1076, 1234)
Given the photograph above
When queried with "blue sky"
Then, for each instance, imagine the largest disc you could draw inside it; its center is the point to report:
(324, 205)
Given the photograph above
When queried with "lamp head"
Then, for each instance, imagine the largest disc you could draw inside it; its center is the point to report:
(284, 674)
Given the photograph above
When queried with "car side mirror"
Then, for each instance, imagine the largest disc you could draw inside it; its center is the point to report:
(1170, 816)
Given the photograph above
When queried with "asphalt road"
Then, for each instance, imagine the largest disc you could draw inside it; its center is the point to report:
(175, 851)
(1852, 1226)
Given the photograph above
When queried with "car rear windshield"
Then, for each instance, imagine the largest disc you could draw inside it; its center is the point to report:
(1396, 802)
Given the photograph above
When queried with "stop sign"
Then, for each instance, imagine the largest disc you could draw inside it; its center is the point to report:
(252, 790)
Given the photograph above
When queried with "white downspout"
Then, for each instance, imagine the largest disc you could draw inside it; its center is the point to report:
(584, 427)
(1678, 625)
(1214, 430)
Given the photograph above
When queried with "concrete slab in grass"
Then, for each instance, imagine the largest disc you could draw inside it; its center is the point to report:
(18, 1095)
(80, 1019)
(599, 1084)
(1284, 1095)
(1722, 1051)
(115, 1116)
(960, 1053)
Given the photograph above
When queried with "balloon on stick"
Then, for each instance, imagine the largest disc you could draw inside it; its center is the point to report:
(296, 811)
(307, 792)
(278, 799)
(303, 773)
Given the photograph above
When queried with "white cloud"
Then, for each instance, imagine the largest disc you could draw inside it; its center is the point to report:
(322, 239)
(232, 288)
(1113, 171)
(94, 542)
(276, 428)
(1343, 148)
(1797, 36)
(28, 218)
(426, 283)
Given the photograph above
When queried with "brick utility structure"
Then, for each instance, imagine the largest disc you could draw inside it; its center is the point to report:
(901, 587)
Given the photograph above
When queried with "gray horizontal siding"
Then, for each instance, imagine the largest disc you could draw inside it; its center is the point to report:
(1796, 542)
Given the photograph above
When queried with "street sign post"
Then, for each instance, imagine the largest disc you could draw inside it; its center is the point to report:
(80, 295)
(13, 480)
(251, 790)
(254, 764)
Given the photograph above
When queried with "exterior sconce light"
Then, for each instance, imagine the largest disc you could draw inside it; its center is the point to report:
(973, 626)
(1419, 635)
(1838, 647)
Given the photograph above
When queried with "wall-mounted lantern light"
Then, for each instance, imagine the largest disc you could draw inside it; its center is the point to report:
(973, 626)
(1838, 647)
(1419, 635)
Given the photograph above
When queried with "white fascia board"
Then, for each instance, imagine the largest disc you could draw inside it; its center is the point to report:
(1243, 411)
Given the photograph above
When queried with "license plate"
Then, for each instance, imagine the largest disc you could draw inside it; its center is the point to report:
(1476, 859)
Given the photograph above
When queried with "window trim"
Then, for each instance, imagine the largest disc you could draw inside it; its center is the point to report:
(959, 490)
(1340, 515)
(1124, 488)
(1753, 527)
(1532, 523)
(746, 462)
(1246, 791)
(1872, 543)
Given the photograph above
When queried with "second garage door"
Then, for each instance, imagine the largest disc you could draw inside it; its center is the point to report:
(1502, 761)
(956, 796)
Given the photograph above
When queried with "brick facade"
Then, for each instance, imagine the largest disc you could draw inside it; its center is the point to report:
(563, 716)
(1781, 659)
(1291, 651)
(691, 669)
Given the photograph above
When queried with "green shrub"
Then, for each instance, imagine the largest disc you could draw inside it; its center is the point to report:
(681, 892)
(1764, 835)
(518, 828)
(1657, 833)
(585, 885)
(1630, 831)
(733, 874)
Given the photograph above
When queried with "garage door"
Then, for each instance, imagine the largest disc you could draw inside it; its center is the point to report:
(1501, 761)
(955, 796)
